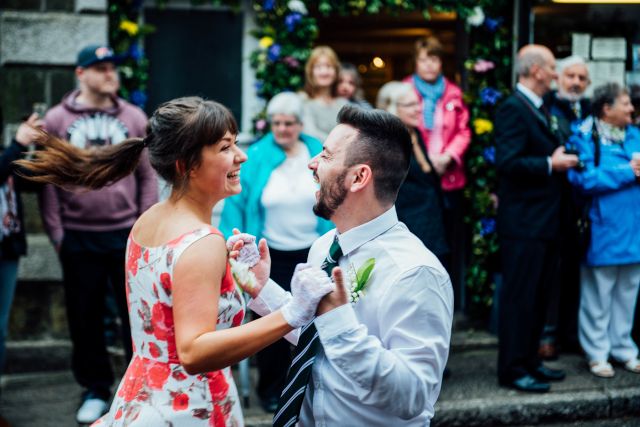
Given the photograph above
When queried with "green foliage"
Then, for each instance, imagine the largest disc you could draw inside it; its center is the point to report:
(491, 42)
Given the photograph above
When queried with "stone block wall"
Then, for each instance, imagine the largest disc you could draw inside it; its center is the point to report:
(39, 40)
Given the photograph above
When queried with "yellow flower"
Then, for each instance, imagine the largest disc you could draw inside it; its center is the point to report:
(129, 26)
(482, 126)
(265, 42)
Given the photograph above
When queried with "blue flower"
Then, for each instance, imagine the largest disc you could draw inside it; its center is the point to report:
(274, 52)
(136, 52)
(139, 98)
(487, 226)
(489, 154)
(269, 4)
(492, 24)
(291, 20)
(490, 96)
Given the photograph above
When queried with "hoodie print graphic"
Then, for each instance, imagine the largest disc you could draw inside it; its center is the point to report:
(97, 129)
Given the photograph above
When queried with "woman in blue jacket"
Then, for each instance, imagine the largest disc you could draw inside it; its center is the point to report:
(276, 202)
(610, 275)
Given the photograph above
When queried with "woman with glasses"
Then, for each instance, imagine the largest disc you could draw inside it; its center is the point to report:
(419, 203)
(278, 194)
(321, 100)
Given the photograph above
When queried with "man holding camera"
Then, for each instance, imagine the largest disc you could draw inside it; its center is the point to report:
(531, 164)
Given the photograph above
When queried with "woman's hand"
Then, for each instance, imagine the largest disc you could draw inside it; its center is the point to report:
(441, 163)
(242, 248)
(308, 286)
(260, 266)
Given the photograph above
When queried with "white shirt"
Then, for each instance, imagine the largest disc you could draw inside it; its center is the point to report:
(288, 199)
(382, 359)
(531, 95)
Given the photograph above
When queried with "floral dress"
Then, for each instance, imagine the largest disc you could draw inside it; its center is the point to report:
(156, 390)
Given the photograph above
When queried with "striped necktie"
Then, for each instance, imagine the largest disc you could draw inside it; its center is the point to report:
(292, 396)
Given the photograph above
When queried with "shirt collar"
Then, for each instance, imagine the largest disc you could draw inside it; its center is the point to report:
(358, 236)
(535, 99)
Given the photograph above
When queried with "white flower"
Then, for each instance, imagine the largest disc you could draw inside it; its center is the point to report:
(476, 18)
(297, 6)
(244, 278)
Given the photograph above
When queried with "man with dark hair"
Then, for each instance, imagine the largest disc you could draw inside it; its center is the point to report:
(89, 229)
(377, 350)
(530, 166)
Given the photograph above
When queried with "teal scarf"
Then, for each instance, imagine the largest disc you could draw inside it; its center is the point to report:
(431, 93)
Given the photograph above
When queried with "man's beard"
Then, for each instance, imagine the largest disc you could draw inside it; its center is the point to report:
(571, 95)
(331, 196)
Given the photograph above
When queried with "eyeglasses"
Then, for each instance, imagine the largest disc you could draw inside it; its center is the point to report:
(287, 123)
(408, 104)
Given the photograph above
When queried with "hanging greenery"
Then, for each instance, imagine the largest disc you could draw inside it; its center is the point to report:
(489, 71)
(286, 33)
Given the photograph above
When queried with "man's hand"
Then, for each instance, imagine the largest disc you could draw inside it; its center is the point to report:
(336, 298)
(561, 161)
(308, 285)
(29, 130)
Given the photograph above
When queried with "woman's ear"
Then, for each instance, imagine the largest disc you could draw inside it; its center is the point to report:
(180, 168)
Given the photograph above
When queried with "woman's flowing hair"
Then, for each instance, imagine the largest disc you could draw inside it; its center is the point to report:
(63, 164)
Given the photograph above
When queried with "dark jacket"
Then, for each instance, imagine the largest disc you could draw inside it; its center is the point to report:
(564, 114)
(14, 245)
(419, 205)
(529, 196)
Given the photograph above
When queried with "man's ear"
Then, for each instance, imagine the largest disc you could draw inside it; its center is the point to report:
(362, 176)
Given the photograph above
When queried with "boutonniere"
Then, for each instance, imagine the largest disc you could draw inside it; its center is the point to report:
(242, 276)
(360, 278)
(553, 125)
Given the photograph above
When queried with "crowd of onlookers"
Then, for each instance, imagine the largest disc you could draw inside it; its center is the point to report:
(568, 199)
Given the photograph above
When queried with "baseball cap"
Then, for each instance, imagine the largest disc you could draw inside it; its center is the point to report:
(95, 53)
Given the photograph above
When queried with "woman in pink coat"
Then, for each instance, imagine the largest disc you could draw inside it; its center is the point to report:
(445, 129)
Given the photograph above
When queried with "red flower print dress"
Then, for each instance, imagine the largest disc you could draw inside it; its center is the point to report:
(156, 390)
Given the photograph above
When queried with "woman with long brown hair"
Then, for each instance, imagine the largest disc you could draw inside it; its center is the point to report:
(185, 310)
(322, 102)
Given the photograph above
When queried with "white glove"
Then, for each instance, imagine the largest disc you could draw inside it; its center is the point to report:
(249, 253)
(308, 286)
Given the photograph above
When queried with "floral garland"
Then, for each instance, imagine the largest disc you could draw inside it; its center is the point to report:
(286, 34)
(489, 67)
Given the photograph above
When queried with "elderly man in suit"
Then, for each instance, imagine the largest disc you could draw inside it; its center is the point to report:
(530, 164)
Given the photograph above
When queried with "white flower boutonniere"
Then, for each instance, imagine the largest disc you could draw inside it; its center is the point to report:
(243, 277)
(362, 276)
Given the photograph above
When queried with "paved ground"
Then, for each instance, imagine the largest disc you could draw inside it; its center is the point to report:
(469, 397)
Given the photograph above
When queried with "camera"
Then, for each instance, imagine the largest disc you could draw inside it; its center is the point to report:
(580, 165)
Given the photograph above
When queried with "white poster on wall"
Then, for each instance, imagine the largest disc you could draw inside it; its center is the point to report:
(608, 48)
(581, 44)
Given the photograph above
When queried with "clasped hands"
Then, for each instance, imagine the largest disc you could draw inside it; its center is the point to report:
(313, 292)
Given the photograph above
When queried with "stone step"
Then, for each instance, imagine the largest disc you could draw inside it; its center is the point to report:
(470, 397)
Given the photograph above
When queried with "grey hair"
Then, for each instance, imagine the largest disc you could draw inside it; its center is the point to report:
(390, 93)
(287, 103)
(606, 94)
(570, 61)
(527, 60)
